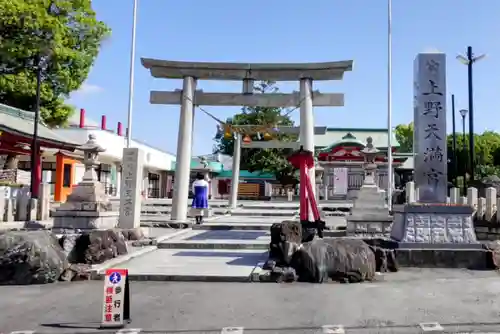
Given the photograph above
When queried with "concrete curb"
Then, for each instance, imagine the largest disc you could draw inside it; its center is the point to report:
(475, 259)
(233, 227)
(257, 271)
(195, 245)
(334, 233)
(183, 278)
(100, 268)
(261, 214)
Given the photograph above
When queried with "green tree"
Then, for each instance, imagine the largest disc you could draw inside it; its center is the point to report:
(486, 144)
(65, 34)
(266, 160)
(404, 136)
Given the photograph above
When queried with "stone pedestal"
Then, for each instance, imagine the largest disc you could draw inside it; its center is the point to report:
(433, 225)
(369, 215)
(437, 236)
(88, 206)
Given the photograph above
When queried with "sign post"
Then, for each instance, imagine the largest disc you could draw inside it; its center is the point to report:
(116, 302)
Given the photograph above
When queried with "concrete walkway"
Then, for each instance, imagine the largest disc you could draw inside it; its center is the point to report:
(224, 248)
(227, 248)
(203, 255)
(214, 265)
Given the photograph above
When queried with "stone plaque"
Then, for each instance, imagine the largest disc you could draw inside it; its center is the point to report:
(438, 229)
(410, 228)
(455, 228)
(130, 188)
(429, 117)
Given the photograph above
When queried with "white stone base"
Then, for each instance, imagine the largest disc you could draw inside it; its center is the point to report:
(85, 220)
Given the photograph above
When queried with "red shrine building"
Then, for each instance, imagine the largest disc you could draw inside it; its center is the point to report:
(340, 157)
(16, 134)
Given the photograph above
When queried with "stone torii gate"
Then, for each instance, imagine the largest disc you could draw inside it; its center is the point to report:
(190, 72)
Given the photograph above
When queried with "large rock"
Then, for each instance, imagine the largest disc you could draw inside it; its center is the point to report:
(493, 256)
(30, 257)
(385, 254)
(133, 234)
(98, 246)
(76, 272)
(340, 259)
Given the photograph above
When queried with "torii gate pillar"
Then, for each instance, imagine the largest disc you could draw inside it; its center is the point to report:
(184, 147)
(307, 125)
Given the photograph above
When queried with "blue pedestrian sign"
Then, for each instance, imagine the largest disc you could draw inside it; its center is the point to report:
(115, 278)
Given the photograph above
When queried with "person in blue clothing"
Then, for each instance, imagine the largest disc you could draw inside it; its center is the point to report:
(200, 198)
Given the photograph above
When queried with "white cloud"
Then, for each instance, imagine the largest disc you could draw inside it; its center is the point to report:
(87, 89)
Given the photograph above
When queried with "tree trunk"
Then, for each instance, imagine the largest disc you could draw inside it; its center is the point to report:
(11, 162)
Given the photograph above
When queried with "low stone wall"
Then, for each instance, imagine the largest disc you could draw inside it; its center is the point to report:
(23, 208)
(486, 216)
(487, 231)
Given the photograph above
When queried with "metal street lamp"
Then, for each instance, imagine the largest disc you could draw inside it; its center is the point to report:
(469, 60)
(41, 65)
(463, 113)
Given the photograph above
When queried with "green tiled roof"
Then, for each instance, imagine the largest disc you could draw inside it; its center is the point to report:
(336, 136)
(214, 166)
(244, 174)
(22, 122)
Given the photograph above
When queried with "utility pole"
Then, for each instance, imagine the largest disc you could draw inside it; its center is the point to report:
(469, 60)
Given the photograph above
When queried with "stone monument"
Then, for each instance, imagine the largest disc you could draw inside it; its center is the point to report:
(370, 214)
(130, 191)
(431, 220)
(88, 206)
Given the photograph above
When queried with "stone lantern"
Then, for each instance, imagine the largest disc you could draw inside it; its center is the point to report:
(88, 206)
(91, 150)
(370, 215)
(370, 167)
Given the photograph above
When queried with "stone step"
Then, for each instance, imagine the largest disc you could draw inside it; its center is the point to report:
(165, 218)
(219, 239)
(165, 208)
(233, 226)
(215, 265)
(257, 227)
(266, 213)
(215, 244)
(249, 219)
(270, 207)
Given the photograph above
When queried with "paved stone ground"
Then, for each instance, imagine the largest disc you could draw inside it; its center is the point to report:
(213, 255)
(219, 265)
(458, 300)
(203, 255)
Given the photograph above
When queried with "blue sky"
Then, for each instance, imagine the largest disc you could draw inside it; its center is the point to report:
(292, 31)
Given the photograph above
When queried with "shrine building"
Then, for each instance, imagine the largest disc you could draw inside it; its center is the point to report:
(339, 154)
